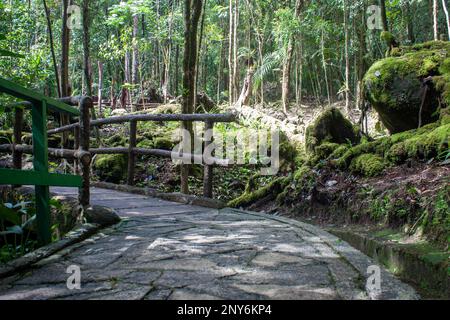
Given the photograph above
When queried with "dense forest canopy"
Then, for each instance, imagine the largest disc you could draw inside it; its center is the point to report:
(294, 49)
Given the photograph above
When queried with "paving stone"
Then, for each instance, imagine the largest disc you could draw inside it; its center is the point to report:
(166, 250)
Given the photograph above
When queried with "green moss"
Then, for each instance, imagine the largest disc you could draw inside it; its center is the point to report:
(322, 152)
(387, 37)
(303, 173)
(339, 152)
(111, 167)
(273, 188)
(331, 126)
(117, 140)
(163, 143)
(368, 165)
(393, 85)
(422, 145)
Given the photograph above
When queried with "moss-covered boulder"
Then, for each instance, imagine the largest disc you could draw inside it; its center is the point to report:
(111, 167)
(368, 165)
(331, 127)
(395, 86)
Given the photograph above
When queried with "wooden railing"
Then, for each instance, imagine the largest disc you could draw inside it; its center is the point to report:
(40, 177)
(132, 151)
(82, 153)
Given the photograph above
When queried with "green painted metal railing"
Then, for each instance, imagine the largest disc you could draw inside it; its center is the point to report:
(40, 176)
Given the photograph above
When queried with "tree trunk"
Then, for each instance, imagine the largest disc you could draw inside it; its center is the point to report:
(230, 55)
(384, 15)
(286, 78)
(177, 58)
(435, 20)
(65, 42)
(192, 14)
(324, 65)
(100, 87)
(347, 58)
(135, 57)
(86, 45)
(235, 50)
(444, 6)
(52, 48)
(409, 23)
(246, 93)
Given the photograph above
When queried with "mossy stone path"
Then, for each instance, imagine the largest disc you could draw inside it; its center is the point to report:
(165, 250)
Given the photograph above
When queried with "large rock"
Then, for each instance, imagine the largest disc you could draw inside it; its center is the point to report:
(331, 126)
(103, 216)
(111, 167)
(395, 85)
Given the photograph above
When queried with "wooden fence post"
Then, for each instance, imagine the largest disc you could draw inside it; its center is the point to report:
(18, 126)
(40, 163)
(85, 131)
(76, 146)
(208, 173)
(131, 154)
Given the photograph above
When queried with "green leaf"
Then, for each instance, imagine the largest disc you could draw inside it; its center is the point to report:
(9, 215)
(7, 53)
(29, 222)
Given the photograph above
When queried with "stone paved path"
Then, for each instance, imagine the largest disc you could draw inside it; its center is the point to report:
(165, 250)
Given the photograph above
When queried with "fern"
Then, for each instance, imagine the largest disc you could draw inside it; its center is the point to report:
(269, 63)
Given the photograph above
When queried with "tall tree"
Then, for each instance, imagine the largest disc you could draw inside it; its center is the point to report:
(384, 19)
(192, 12)
(52, 47)
(65, 43)
(447, 18)
(86, 48)
(286, 78)
(347, 56)
(435, 20)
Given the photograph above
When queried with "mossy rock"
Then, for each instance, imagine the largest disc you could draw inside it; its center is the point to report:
(111, 167)
(369, 165)
(332, 127)
(421, 146)
(117, 140)
(274, 188)
(395, 89)
(322, 152)
(163, 143)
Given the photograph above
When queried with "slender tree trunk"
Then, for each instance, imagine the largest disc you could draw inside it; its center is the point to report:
(230, 54)
(286, 77)
(52, 48)
(444, 6)
(384, 15)
(347, 58)
(435, 20)
(192, 12)
(86, 48)
(135, 54)
(324, 64)
(409, 23)
(235, 50)
(65, 42)
(199, 50)
(177, 57)
(100, 87)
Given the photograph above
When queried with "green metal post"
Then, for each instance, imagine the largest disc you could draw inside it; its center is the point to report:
(40, 163)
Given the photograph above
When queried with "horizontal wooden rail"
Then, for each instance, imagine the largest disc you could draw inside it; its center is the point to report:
(226, 117)
(53, 152)
(32, 96)
(195, 158)
(23, 177)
